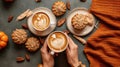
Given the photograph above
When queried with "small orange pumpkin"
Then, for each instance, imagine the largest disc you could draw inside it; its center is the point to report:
(3, 40)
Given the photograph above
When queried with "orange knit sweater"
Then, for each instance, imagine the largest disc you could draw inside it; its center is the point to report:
(103, 48)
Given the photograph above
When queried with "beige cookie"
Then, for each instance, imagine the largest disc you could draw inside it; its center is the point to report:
(19, 36)
(80, 21)
(32, 44)
(59, 8)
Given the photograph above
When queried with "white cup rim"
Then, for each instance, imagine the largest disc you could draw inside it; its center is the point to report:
(57, 51)
(37, 28)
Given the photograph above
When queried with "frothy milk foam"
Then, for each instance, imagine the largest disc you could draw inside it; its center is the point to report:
(57, 41)
(41, 21)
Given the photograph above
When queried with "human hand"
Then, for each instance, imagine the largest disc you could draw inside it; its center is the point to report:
(72, 53)
(48, 60)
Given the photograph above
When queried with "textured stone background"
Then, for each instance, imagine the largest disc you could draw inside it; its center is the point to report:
(9, 54)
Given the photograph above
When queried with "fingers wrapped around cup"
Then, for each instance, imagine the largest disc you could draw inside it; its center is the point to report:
(57, 42)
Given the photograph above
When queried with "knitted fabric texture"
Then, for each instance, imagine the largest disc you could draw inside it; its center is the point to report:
(103, 48)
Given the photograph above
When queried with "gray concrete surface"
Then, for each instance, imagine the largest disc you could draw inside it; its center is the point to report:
(9, 54)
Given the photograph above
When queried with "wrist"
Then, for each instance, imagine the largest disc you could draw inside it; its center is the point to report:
(47, 65)
(79, 64)
(76, 64)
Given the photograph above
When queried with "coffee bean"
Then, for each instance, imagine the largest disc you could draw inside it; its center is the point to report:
(10, 18)
(25, 26)
(61, 22)
(68, 5)
(83, 0)
(38, 0)
(27, 57)
(20, 59)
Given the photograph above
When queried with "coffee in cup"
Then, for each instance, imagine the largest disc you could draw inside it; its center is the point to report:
(57, 41)
(40, 21)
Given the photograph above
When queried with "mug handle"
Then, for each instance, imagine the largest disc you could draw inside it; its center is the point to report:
(52, 52)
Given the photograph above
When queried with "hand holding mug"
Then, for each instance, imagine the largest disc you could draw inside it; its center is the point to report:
(57, 42)
(48, 59)
(72, 53)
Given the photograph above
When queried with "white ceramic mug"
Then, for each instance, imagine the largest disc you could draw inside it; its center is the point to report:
(52, 50)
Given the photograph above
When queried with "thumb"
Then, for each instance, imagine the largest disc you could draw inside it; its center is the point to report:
(44, 48)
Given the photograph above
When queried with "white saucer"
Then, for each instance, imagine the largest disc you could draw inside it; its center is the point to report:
(52, 22)
(87, 29)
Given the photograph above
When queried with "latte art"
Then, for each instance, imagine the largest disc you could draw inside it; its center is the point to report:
(41, 21)
(57, 41)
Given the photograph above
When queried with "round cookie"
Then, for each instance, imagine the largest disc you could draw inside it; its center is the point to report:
(32, 44)
(80, 21)
(59, 8)
(19, 36)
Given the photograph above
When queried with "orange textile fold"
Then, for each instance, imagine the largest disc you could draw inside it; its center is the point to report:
(103, 48)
